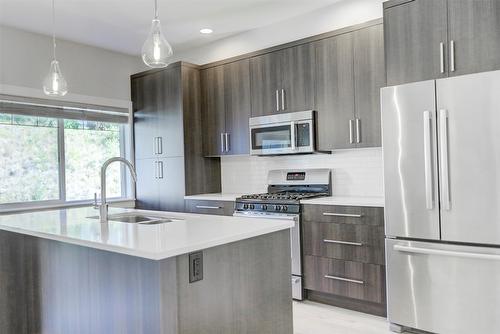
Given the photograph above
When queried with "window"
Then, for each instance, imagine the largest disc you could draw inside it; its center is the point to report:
(46, 161)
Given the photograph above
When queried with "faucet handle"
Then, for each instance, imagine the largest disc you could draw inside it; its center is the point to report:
(96, 206)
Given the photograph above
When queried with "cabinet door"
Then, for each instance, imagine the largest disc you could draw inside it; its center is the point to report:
(474, 28)
(298, 78)
(413, 33)
(369, 77)
(170, 127)
(144, 94)
(237, 106)
(265, 80)
(171, 183)
(334, 92)
(213, 110)
(147, 184)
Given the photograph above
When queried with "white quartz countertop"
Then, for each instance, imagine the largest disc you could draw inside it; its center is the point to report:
(347, 200)
(188, 233)
(214, 197)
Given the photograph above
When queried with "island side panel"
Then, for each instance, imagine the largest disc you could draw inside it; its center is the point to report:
(246, 288)
(50, 287)
(13, 292)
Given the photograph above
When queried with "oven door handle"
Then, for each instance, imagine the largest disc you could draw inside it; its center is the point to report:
(293, 136)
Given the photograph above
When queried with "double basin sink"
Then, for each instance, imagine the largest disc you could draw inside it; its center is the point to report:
(138, 218)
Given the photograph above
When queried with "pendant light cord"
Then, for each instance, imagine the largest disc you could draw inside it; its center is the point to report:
(156, 9)
(54, 28)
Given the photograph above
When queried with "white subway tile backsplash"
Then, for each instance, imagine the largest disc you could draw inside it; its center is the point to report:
(357, 172)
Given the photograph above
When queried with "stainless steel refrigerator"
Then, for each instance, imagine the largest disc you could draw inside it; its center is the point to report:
(441, 144)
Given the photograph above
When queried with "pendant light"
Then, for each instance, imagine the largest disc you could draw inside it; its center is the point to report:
(156, 51)
(54, 83)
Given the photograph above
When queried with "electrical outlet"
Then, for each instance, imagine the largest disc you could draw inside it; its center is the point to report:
(195, 267)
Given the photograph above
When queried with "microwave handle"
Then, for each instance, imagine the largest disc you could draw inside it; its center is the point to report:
(293, 136)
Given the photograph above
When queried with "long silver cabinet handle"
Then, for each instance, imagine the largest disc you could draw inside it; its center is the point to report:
(358, 131)
(429, 193)
(208, 207)
(283, 99)
(427, 251)
(277, 100)
(452, 55)
(441, 57)
(293, 137)
(160, 145)
(328, 241)
(156, 169)
(443, 138)
(350, 280)
(160, 169)
(351, 132)
(228, 146)
(334, 214)
(222, 144)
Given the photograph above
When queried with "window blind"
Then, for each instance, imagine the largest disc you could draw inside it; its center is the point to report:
(61, 109)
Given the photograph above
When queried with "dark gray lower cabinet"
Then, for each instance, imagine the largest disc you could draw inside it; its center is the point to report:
(344, 256)
(174, 109)
(210, 207)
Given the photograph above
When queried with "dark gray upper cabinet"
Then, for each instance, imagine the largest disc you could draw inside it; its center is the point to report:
(213, 107)
(335, 93)
(157, 97)
(237, 106)
(474, 31)
(369, 77)
(298, 68)
(283, 81)
(226, 108)
(415, 40)
(166, 105)
(266, 79)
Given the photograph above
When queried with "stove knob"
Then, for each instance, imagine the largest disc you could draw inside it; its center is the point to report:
(285, 208)
(245, 206)
(264, 207)
(278, 207)
(252, 206)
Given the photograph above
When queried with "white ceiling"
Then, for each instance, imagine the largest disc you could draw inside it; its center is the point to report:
(121, 25)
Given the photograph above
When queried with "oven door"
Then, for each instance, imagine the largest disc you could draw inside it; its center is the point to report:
(282, 138)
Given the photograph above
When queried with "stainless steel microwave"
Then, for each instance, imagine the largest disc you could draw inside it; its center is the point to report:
(290, 133)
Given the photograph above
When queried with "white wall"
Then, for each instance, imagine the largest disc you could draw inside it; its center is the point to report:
(25, 58)
(336, 16)
(356, 172)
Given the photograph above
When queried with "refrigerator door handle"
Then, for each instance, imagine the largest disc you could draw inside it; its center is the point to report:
(428, 251)
(429, 191)
(443, 138)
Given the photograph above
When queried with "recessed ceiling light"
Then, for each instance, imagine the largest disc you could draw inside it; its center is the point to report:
(206, 31)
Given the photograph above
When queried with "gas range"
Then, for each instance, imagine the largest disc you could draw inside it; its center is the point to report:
(285, 190)
(282, 201)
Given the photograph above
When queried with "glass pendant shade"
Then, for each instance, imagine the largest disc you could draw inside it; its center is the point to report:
(156, 51)
(54, 83)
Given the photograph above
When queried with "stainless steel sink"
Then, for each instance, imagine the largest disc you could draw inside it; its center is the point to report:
(137, 218)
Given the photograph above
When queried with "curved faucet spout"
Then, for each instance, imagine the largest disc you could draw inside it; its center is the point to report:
(104, 204)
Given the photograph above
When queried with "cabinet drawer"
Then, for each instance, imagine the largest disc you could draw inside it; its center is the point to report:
(208, 207)
(351, 279)
(353, 242)
(343, 214)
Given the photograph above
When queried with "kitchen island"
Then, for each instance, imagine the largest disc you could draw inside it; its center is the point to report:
(63, 272)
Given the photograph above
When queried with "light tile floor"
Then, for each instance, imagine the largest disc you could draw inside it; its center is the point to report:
(315, 318)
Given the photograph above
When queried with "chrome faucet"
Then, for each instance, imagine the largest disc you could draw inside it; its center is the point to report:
(103, 208)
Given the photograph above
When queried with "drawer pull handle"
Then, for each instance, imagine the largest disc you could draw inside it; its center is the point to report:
(342, 242)
(341, 215)
(208, 207)
(350, 280)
